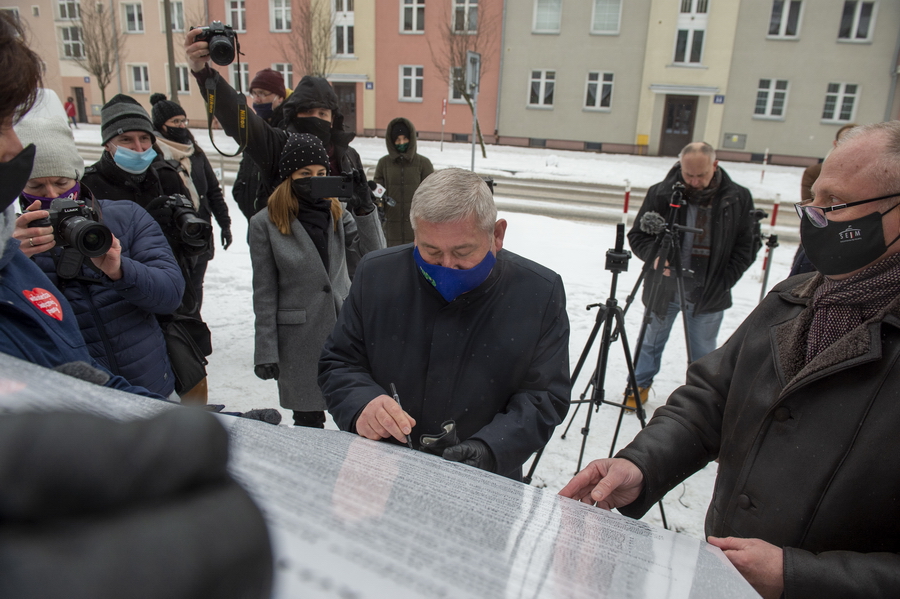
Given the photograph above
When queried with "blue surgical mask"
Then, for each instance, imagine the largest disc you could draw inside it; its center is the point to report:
(453, 282)
(133, 162)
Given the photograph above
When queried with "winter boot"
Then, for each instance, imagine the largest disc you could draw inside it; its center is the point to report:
(629, 396)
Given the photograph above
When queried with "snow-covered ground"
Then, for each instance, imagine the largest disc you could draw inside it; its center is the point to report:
(576, 250)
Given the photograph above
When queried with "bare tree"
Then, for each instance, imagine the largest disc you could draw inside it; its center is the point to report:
(308, 44)
(104, 44)
(476, 31)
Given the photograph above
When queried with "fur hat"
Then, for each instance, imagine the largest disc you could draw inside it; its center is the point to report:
(302, 149)
(269, 80)
(55, 151)
(121, 115)
(163, 110)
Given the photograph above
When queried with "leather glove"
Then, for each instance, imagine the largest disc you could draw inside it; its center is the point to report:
(226, 237)
(361, 202)
(266, 371)
(472, 452)
(160, 211)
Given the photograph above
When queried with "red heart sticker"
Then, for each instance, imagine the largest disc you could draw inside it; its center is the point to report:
(45, 301)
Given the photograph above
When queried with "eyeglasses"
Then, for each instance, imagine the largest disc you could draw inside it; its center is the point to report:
(817, 215)
(177, 122)
(262, 95)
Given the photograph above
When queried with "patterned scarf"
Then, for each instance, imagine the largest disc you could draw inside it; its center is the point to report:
(841, 306)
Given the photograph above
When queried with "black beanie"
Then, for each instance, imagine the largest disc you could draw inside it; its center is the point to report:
(121, 115)
(399, 128)
(163, 110)
(301, 149)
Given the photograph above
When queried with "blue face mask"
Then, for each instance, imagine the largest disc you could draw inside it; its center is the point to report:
(452, 282)
(134, 162)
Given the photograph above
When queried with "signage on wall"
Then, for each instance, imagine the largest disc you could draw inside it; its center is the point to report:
(87, 79)
(370, 85)
(718, 99)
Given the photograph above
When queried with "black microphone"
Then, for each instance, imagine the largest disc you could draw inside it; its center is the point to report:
(652, 223)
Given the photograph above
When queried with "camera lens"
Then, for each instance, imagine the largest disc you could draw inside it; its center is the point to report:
(221, 50)
(88, 237)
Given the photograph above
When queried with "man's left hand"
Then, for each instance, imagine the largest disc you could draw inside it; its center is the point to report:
(473, 452)
(111, 262)
(760, 563)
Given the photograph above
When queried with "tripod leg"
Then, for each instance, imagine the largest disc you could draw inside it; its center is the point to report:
(599, 376)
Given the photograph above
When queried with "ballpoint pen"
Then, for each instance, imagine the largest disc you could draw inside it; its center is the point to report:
(397, 399)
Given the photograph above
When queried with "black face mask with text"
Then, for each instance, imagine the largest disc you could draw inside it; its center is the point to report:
(844, 246)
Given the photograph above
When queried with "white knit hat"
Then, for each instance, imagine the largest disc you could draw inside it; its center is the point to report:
(56, 154)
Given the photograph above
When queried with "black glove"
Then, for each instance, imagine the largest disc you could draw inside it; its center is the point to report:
(160, 211)
(361, 201)
(226, 237)
(472, 452)
(266, 371)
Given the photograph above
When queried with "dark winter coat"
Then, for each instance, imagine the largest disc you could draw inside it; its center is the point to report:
(495, 359)
(807, 454)
(296, 301)
(732, 248)
(117, 318)
(245, 189)
(212, 200)
(400, 173)
(37, 324)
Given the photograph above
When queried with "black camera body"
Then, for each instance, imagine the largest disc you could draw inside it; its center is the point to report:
(78, 226)
(222, 42)
(192, 230)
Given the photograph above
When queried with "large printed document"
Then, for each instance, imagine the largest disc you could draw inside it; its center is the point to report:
(357, 519)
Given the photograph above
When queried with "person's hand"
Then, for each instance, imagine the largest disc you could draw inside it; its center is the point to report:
(608, 483)
(111, 262)
(266, 371)
(227, 239)
(382, 418)
(197, 52)
(160, 210)
(33, 240)
(760, 563)
(666, 271)
(361, 201)
(473, 452)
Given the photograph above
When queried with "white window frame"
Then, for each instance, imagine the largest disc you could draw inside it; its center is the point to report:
(280, 10)
(14, 11)
(841, 96)
(783, 19)
(467, 7)
(66, 49)
(615, 31)
(287, 71)
(344, 22)
(183, 77)
(771, 93)
(244, 74)
(549, 5)
(452, 98)
(139, 17)
(413, 8)
(416, 76)
(236, 15)
(542, 80)
(177, 7)
(854, 27)
(693, 17)
(601, 83)
(133, 81)
(66, 8)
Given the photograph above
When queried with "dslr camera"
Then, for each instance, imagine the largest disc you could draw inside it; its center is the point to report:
(193, 230)
(222, 42)
(78, 226)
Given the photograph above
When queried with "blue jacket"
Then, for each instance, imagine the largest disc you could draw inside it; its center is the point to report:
(36, 321)
(117, 318)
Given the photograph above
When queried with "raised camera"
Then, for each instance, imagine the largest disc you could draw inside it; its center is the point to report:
(194, 231)
(76, 225)
(222, 42)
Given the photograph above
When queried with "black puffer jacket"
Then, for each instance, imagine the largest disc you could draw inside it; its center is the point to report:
(732, 248)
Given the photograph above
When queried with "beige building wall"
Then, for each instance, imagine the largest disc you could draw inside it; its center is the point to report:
(360, 68)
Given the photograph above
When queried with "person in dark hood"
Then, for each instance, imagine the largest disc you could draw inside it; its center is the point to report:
(400, 172)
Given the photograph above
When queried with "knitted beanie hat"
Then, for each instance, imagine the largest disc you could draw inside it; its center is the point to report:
(399, 129)
(121, 115)
(302, 149)
(163, 110)
(269, 80)
(55, 151)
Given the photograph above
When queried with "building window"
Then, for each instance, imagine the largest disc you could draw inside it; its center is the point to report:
(465, 16)
(279, 15)
(140, 77)
(69, 10)
(413, 16)
(177, 16)
(840, 102)
(411, 79)
(547, 16)
(606, 17)
(13, 11)
(692, 21)
(241, 77)
(785, 19)
(771, 98)
(599, 91)
(343, 27)
(237, 15)
(541, 93)
(134, 18)
(857, 21)
(183, 78)
(457, 85)
(287, 71)
(72, 44)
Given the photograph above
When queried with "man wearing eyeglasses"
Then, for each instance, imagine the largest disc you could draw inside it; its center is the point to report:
(800, 406)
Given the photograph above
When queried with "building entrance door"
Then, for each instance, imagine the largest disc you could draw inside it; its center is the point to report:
(346, 93)
(678, 124)
(79, 104)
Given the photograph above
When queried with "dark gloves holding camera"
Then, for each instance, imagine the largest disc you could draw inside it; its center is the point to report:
(472, 452)
(361, 201)
(160, 210)
(226, 237)
(266, 371)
